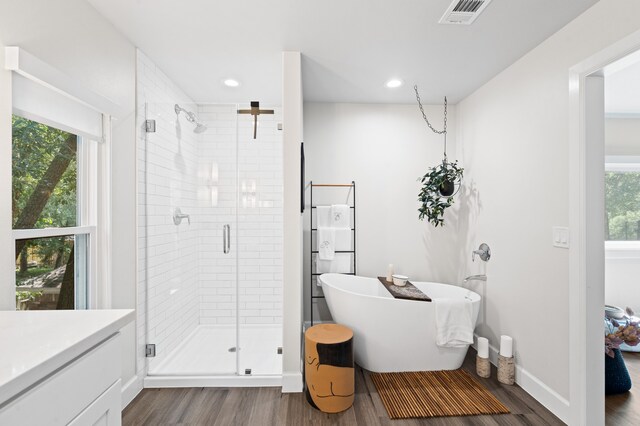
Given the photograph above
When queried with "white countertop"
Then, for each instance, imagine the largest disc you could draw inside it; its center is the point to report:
(34, 344)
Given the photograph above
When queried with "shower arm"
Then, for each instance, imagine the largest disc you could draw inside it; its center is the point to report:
(191, 117)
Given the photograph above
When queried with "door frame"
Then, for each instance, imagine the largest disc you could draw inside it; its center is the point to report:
(586, 223)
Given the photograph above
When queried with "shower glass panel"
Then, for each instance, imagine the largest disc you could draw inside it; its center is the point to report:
(260, 242)
(191, 261)
(213, 271)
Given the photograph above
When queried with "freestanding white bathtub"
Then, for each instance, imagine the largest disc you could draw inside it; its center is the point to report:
(393, 334)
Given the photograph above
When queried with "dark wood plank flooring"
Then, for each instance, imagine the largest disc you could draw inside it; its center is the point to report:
(268, 406)
(624, 409)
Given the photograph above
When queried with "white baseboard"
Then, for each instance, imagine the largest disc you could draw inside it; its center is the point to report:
(212, 381)
(552, 400)
(130, 390)
(292, 382)
(535, 387)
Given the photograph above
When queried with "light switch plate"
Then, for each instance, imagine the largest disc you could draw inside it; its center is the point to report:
(561, 237)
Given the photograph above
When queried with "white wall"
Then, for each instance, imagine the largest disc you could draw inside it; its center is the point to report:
(622, 136)
(123, 237)
(71, 36)
(384, 149)
(292, 121)
(514, 135)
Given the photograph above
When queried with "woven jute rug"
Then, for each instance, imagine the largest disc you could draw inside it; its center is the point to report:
(434, 394)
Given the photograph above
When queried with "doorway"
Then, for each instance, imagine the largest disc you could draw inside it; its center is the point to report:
(587, 227)
(622, 233)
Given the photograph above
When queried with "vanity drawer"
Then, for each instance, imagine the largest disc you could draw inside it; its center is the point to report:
(60, 397)
(104, 411)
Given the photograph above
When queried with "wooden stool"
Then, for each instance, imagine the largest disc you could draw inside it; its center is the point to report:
(329, 373)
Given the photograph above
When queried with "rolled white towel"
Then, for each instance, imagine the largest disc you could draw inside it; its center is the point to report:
(454, 322)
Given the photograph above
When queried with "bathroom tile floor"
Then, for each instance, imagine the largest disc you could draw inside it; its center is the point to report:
(268, 406)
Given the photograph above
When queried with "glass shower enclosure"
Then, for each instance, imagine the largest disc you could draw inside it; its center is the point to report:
(211, 214)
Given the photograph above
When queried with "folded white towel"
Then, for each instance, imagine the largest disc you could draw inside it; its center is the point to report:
(323, 216)
(341, 263)
(343, 239)
(326, 243)
(454, 322)
(341, 216)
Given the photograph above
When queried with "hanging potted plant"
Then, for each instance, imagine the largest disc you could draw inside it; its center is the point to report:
(439, 186)
(440, 183)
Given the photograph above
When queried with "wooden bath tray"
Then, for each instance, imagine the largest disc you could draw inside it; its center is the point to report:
(408, 291)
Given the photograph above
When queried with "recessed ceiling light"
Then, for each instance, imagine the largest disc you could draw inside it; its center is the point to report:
(393, 83)
(230, 82)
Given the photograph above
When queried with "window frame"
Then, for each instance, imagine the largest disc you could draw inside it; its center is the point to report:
(621, 163)
(92, 189)
(19, 61)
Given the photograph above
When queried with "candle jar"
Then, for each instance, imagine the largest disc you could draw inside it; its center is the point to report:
(483, 367)
(506, 370)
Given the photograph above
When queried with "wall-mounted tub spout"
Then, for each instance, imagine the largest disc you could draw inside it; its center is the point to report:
(178, 216)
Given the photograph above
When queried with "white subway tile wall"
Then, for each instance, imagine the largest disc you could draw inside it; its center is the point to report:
(221, 176)
(240, 175)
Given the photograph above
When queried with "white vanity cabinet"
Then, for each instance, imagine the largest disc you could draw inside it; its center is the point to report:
(79, 386)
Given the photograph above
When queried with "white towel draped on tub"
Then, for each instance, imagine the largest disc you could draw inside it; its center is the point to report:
(454, 322)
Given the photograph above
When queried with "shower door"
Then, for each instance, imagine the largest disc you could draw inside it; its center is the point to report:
(260, 229)
(190, 209)
(212, 213)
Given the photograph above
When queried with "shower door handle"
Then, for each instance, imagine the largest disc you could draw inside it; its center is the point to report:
(226, 239)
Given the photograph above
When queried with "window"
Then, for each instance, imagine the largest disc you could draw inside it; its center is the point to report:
(622, 199)
(60, 189)
(53, 177)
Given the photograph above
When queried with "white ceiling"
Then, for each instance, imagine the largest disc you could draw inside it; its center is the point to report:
(622, 86)
(350, 47)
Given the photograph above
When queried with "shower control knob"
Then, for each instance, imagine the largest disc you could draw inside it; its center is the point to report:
(484, 252)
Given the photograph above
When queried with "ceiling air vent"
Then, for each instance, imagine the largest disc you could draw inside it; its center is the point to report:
(463, 11)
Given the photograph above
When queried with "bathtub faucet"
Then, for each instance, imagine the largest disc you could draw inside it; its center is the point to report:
(475, 278)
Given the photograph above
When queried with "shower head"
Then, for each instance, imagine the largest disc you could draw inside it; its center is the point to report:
(200, 128)
(191, 118)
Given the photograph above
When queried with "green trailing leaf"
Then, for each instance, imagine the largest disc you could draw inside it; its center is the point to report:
(433, 204)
